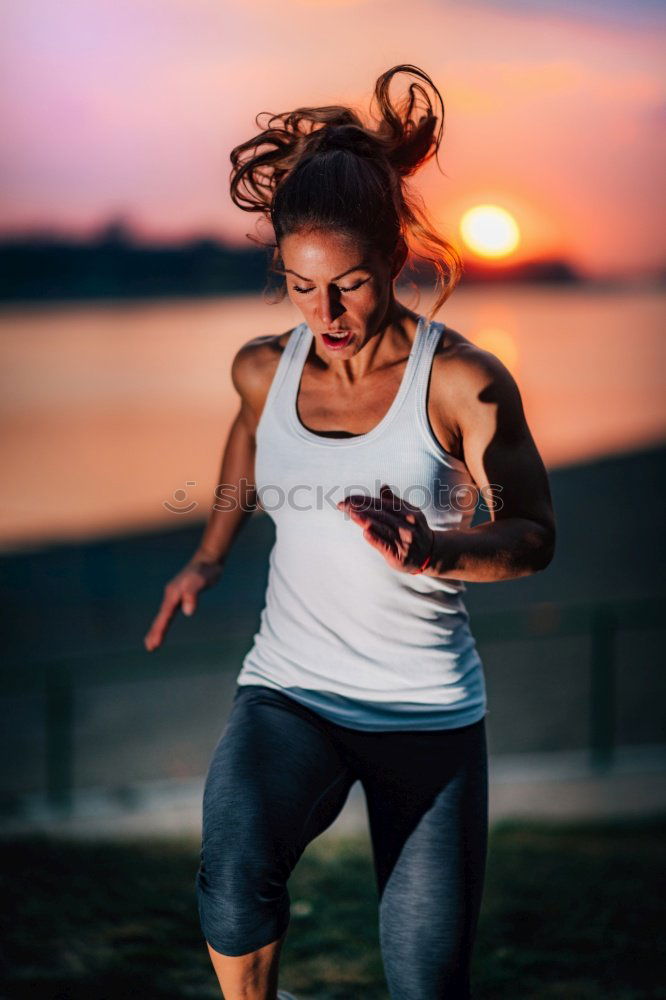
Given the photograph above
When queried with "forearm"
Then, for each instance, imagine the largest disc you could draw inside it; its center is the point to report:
(491, 551)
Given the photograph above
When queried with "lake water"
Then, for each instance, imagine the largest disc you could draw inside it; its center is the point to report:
(107, 409)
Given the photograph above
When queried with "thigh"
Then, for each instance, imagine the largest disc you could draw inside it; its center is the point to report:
(427, 796)
(277, 765)
(275, 781)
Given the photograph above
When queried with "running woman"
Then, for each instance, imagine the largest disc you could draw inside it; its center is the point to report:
(367, 432)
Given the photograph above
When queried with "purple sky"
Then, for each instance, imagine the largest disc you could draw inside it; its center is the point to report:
(554, 111)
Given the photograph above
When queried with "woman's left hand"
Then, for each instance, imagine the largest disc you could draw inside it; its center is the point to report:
(396, 528)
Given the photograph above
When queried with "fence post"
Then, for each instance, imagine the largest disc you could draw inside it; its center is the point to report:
(602, 687)
(59, 738)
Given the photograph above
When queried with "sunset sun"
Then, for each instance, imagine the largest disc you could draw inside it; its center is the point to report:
(489, 231)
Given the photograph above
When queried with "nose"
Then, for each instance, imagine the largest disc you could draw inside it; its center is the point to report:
(330, 305)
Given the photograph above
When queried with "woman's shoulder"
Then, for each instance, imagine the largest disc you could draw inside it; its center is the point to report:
(255, 363)
(460, 365)
(464, 377)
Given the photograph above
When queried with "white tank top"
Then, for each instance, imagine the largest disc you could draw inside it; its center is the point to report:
(342, 632)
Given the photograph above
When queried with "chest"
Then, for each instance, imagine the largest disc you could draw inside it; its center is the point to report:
(326, 409)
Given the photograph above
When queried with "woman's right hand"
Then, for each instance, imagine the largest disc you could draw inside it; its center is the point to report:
(182, 591)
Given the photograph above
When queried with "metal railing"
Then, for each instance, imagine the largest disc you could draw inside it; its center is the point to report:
(59, 678)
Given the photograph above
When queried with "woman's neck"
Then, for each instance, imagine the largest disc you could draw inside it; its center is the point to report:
(390, 343)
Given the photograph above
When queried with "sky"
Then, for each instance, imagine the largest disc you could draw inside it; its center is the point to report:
(555, 111)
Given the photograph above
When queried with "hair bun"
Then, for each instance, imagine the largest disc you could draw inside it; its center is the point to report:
(347, 136)
(289, 174)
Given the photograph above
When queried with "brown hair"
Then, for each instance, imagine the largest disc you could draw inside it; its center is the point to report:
(323, 167)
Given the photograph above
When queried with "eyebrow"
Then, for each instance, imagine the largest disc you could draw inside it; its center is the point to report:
(358, 267)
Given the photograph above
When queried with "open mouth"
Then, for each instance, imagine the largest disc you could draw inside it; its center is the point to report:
(337, 341)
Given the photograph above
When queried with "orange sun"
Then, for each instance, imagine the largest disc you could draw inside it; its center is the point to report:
(489, 231)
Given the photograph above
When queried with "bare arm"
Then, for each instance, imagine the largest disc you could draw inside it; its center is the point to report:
(235, 491)
(507, 469)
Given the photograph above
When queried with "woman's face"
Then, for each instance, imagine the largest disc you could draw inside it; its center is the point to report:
(336, 289)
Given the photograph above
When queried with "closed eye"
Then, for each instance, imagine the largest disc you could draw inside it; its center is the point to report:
(352, 288)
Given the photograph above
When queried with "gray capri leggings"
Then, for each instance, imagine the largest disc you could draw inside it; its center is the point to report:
(279, 776)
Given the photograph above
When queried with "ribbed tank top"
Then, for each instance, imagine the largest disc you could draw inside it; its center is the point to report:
(342, 632)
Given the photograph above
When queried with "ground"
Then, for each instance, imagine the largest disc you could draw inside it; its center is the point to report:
(571, 912)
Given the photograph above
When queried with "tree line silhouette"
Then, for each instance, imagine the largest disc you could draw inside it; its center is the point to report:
(115, 265)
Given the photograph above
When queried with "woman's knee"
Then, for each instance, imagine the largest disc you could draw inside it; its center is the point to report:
(248, 852)
(242, 896)
(259, 811)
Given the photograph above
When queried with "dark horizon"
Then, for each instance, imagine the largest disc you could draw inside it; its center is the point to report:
(117, 262)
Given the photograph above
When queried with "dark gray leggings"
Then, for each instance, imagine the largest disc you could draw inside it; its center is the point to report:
(279, 776)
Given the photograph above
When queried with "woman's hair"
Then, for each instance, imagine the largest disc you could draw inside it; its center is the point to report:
(324, 168)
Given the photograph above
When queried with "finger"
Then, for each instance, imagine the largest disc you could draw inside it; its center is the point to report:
(401, 507)
(358, 500)
(394, 529)
(403, 511)
(384, 517)
(387, 504)
(398, 547)
(383, 532)
(387, 496)
(401, 538)
(161, 622)
(388, 500)
(366, 501)
(386, 490)
(152, 639)
(397, 521)
(399, 503)
(383, 545)
(189, 604)
(363, 504)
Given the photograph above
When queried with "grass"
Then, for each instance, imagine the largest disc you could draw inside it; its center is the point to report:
(571, 912)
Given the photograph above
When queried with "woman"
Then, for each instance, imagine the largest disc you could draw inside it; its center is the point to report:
(366, 432)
